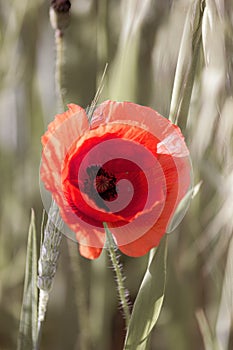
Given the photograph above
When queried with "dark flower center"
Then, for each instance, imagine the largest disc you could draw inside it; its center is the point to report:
(100, 183)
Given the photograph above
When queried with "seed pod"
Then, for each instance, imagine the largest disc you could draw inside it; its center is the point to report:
(60, 14)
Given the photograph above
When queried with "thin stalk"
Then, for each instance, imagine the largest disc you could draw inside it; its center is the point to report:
(59, 41)
(101, 37)
(111, 247)
(75, 263)
(50, 247)
(90, 110)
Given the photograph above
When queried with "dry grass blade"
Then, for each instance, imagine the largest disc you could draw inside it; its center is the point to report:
(225, 314)
(90, 110)
(186, 65)
(213, 131)
(210, 342)
(213, 78)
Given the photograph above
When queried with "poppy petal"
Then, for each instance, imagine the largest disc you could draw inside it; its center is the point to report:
(73, 109)
(158, 217)
(108, 145)
(129, 168)
(147, 118)
(89, 252)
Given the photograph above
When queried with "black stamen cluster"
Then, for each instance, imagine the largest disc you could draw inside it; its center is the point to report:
(93, 184)
(110, 192)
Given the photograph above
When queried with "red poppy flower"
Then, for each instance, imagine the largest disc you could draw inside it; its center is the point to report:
(128, 167)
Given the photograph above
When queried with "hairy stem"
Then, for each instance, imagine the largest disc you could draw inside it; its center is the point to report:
(111, 247)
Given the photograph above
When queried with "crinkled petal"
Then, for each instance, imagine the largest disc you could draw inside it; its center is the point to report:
(168, 134)
(59, 119)
(151, 227)
(125, 150)
(146, 153)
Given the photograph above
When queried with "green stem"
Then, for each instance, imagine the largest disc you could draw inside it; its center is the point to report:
(111, 247)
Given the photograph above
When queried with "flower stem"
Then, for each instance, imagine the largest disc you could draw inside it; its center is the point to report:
(59, 41)
(111, 247)
(75, 263)
(50, 247)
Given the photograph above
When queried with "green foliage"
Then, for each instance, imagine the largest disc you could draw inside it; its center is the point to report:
(149, 300)
(28, 318)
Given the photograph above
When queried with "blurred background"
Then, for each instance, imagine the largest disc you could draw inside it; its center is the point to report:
(140, 40)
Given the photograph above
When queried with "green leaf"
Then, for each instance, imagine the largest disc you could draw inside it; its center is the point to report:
(149, 300)
(28, 318)
(183, 207)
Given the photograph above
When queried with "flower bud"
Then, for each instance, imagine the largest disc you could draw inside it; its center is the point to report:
(60, 14)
